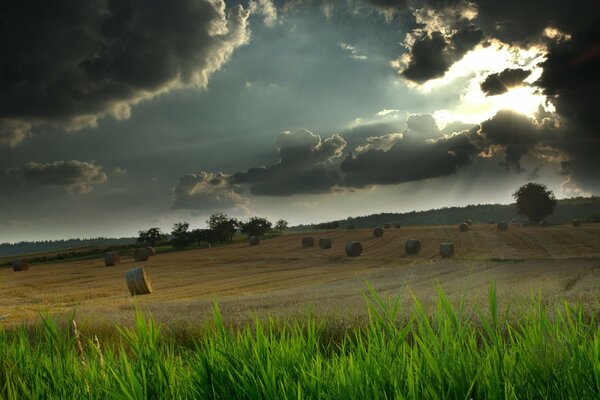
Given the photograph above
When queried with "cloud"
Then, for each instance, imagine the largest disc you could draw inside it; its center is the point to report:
(432, 52)
(501, 82)
(209, 192)
(414, 156)
(570, 80)
(72, 63)
(266, 9)
(354, 53)
(76, 176)
(306, 165)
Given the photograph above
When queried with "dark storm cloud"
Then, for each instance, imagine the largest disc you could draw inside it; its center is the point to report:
(433, 53)
(207, 191)
(517, 134)
(68, 63)
(76, 176)
(570, 79)
(306, 165)
(501, 82)
(409, 159)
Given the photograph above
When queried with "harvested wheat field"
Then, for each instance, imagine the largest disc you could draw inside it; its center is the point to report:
(281, 278)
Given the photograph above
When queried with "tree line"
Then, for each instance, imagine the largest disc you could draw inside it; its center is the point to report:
(220, 229)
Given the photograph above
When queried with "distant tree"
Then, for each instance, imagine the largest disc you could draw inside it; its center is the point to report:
(327, 225)
(256, 226)
(150, 237)
(281, 225)
(182, 237)
(535, 201)
(223, 228)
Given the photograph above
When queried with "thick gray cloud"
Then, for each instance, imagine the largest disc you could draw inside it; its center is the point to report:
(306, 165)
(432, 53)
(570, 79)
(518, 134)
(501, 82)
(76, 176)
(209, 192)
(68, 63)
(410, 158)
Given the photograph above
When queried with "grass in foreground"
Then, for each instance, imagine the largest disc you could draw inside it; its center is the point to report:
(545, 355)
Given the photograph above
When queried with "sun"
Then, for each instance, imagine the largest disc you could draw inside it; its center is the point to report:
(523, 100)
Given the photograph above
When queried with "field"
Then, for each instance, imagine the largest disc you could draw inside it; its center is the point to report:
(282, 279)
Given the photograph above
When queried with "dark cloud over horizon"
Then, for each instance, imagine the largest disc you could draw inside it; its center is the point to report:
(68, 63)
(74, 175)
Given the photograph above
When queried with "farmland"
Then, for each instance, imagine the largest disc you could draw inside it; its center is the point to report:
(282, 279)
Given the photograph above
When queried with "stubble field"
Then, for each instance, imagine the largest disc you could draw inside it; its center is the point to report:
(282, 279)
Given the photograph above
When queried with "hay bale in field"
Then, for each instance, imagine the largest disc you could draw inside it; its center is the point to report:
(378, 232)
(543, 223)
(151, 251)
(468, 222)
(137, 281)
(576, 222)
(141, 254)
(325, 243)
(352, 226)
(308, 241)
(463, 227)
(447, 250)
(353, 249)
(502, 226)
(254, 240)
(112, 258)
(21, 264)
(397, 225)
(412, 246)
(386, 226)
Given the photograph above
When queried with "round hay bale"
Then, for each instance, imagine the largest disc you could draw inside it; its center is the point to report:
(576, 222)
(21, 264)
(137, 281)
(412, 246)
(112, 258)
(325, 243)
(397, 226)
(378, 232)
(351, 226)
(353, 249)
(386, 226)
(468, 222)
(463, 227)
(543, 223)
(492, 222)
(141, 254)
(447, 250)
(254, 240)
(151, 251)
(502, 226)
(308, 241)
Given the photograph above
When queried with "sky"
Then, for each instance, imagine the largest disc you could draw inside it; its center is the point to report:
(117, 116)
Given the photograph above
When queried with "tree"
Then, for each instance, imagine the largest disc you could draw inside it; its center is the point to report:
(223, 228)
(281, 225)
(181, 234)
(256, 226)
(150, 237)
(535, 201)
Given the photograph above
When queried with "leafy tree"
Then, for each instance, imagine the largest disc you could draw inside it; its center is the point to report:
(150, 237)
(182, 237)
(223, 228)
(535, 201)
(256, 226)
(281, 225)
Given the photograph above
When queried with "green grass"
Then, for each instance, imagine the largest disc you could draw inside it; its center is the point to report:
(545, 354)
